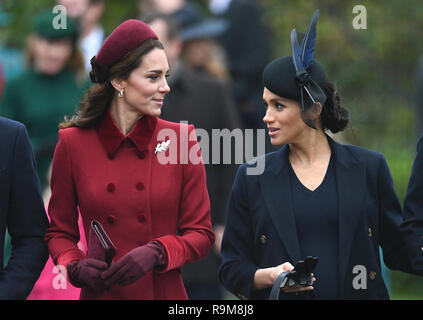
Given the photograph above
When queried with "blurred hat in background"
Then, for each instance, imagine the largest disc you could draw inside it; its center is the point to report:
(45, 27)
(193, 27)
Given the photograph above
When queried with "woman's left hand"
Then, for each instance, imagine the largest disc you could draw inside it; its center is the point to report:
(132, 266)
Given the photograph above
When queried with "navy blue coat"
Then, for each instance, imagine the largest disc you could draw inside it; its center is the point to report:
(413, 202)
(21, 211)
(260, 227)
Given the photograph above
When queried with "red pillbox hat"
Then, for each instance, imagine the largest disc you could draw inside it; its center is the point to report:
(125, 38)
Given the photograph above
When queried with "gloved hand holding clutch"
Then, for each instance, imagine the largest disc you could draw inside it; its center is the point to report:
(87, 272)
(135, 264)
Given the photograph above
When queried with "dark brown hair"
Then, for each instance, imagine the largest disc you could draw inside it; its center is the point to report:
(334, 117)
(99, 97)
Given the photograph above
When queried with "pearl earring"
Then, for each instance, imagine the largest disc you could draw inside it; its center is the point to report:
(120, 93)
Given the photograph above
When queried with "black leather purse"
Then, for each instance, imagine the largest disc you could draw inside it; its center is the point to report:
(100, 246)
(302, 274)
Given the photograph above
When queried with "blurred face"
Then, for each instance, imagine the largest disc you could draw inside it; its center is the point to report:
(74, 8)
(172, 47)
(283, 119)
(50, 57)
(146, 86)
(197, 52)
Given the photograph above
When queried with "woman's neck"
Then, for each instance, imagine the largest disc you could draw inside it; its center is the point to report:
(123, 118)
(310, 148)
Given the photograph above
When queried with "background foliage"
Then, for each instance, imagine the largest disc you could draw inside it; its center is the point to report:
(375, 71)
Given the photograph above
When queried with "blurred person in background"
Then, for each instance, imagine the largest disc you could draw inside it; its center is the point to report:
(88, 14)
(199, 49)
(11, 59)
(203, 100)
(49, 88)
(247, 45)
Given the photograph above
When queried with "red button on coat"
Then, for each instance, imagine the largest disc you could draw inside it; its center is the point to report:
(110, 187)
(140, 186)
(111, 219)
(142, 154)
(141, 218)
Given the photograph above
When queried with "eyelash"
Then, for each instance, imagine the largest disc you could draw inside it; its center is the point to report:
(155, 77)
(278, 106)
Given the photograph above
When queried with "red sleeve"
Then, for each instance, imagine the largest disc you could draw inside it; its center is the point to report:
(63, 234)
(196, 234)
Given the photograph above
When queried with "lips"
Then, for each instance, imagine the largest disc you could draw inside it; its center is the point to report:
(273, 131)
(158, 101)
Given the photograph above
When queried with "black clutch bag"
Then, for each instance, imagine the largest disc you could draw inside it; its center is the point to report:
(99, 244)
(301, 275)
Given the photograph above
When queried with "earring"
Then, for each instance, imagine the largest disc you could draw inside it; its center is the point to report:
(121, 94)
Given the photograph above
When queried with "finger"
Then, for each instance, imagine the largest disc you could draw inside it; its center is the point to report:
(298, 289)
(117, 276)
(98, 264)
(115, 267)
(127, 279)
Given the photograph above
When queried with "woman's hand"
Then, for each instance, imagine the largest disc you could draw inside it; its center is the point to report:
(264, 278)
(133, 266)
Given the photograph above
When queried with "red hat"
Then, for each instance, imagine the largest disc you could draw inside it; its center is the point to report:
(126, 37)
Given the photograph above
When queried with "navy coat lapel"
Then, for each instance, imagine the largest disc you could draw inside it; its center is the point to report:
(351, 188)
(276, 191)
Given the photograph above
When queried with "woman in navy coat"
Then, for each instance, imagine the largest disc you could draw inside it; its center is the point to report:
(21, 212)
(316, 197)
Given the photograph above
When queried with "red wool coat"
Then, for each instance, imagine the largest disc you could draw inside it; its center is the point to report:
(121, 182)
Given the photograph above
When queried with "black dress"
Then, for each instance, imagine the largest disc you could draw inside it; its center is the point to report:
(317, 229)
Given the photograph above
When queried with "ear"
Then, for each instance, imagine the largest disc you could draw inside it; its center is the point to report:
(118, 84)
(316, 110)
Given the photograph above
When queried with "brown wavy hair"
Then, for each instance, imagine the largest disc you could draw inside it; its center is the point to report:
(98, 98)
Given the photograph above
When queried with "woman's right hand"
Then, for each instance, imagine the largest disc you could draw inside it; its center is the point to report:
(265, 278)
(287, 267)
(87, 273)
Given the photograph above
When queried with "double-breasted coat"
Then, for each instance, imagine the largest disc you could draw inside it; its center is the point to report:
(261, 229)
(125, 184)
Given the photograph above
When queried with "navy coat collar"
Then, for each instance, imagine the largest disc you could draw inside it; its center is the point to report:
(350, 178)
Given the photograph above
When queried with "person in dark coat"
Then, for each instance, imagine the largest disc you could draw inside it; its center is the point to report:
(21, 211)
(316, 197)
(413, 201)
(201, 100)
(247, 44)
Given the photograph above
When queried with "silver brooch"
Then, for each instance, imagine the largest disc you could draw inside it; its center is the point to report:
(162, 146)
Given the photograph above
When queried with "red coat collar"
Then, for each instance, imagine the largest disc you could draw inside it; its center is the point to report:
(111, 137)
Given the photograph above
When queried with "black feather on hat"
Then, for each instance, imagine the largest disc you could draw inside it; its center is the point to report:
(298, 77)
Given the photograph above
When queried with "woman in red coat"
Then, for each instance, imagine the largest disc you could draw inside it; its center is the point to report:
(141, 177)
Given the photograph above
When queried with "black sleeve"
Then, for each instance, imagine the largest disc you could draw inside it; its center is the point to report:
(26, 222)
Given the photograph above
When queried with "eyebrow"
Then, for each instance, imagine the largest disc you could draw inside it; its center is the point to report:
(276, 100)
(156, 71)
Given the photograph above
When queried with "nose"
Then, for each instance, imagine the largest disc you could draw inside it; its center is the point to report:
(268, 117)
(164, 87)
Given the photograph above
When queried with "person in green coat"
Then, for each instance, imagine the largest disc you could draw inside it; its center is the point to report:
(49, 88)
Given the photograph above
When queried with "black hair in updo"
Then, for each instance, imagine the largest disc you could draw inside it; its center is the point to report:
(333, 117)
